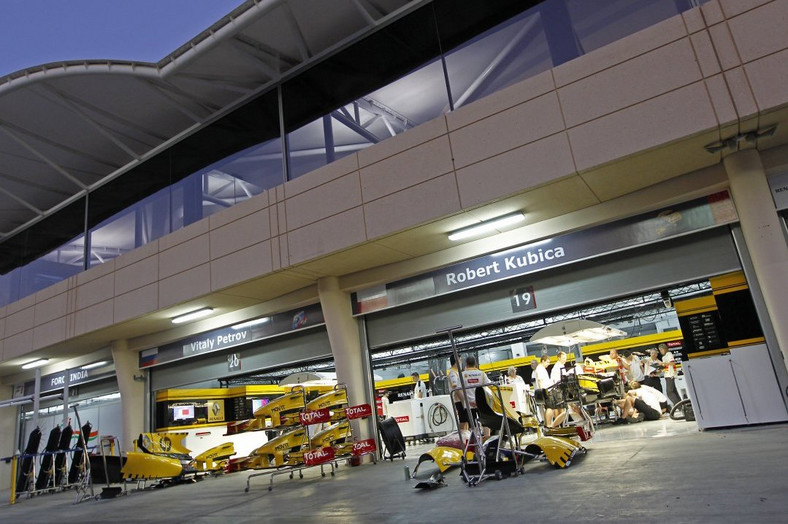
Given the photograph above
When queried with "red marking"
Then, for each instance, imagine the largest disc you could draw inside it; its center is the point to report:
(360, 411)
(314, 417)
(364, 446)
(314, 457)
(402, 419)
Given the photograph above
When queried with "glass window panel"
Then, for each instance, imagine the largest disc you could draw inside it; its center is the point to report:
(405, 103)
(597, 24)
(241, 176)
(9, 287)
(131, 228)
(56, 266)
(500, 57)
(177, 205)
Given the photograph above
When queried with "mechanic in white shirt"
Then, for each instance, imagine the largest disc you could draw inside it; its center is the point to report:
(474, 377)
(419, 389)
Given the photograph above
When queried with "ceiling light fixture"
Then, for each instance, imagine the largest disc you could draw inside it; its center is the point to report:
(192, 315)
(250, 323)
(94, 365)
(35, 363)
(486, 226)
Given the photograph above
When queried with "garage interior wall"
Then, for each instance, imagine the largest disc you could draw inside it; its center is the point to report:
(684, 259)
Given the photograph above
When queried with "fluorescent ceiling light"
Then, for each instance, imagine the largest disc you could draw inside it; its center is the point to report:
(35, 363)
(94, 365)
(192, 315)
(250, 323)
(573, 332)
(486, 226)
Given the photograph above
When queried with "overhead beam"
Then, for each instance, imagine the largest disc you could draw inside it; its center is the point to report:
(298, 35)
(529, 27)
(250, 56)
(367, 11)
(41, 156)
(355, 127)
(218, 81)
(276, 55)
(56, 97)
(203, 102)
(30, 183)
(70, 150)
(112, 116)
(165, 93)
(21, 200)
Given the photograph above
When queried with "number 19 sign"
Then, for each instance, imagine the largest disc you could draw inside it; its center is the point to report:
(522, 299)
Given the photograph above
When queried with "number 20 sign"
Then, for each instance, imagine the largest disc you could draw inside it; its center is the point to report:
(522, 299)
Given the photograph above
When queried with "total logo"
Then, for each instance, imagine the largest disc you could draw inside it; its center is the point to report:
(364, 446)
(360, 411)
(318, 456)
(315, 417)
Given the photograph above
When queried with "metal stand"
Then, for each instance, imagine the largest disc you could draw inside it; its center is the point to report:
(507, 437)
(290, 470)
(472, 471)
(86, 483)
(109, 491)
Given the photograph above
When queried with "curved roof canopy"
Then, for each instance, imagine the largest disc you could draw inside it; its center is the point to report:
(67, 128)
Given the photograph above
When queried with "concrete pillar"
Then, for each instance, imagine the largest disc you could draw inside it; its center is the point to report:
(349, 358)
(763, 234)
(132, 393)
(8, 419)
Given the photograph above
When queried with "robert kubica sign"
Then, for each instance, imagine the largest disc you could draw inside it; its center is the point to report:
(473, 273)
(681, 219)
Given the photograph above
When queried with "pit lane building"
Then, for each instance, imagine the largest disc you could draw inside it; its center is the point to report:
(305, 166)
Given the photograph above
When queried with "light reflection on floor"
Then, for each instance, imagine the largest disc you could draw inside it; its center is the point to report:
(647, 429)
(607, 432)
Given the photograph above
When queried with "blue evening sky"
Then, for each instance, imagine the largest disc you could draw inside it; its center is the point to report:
(41, 31)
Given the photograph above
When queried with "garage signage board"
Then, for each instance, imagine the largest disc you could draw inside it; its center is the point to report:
(227, 337)
(681, 219)
(56, 381)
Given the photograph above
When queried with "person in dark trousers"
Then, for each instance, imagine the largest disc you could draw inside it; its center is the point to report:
(669, 374)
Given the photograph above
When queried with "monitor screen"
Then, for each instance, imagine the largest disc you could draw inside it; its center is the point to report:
(183, 412)
(257, 403)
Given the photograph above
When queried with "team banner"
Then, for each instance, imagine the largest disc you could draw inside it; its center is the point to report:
(363, 447)
(314, 457)
(681, 219)
(360, 411)
(317, 416)
(229, 337)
